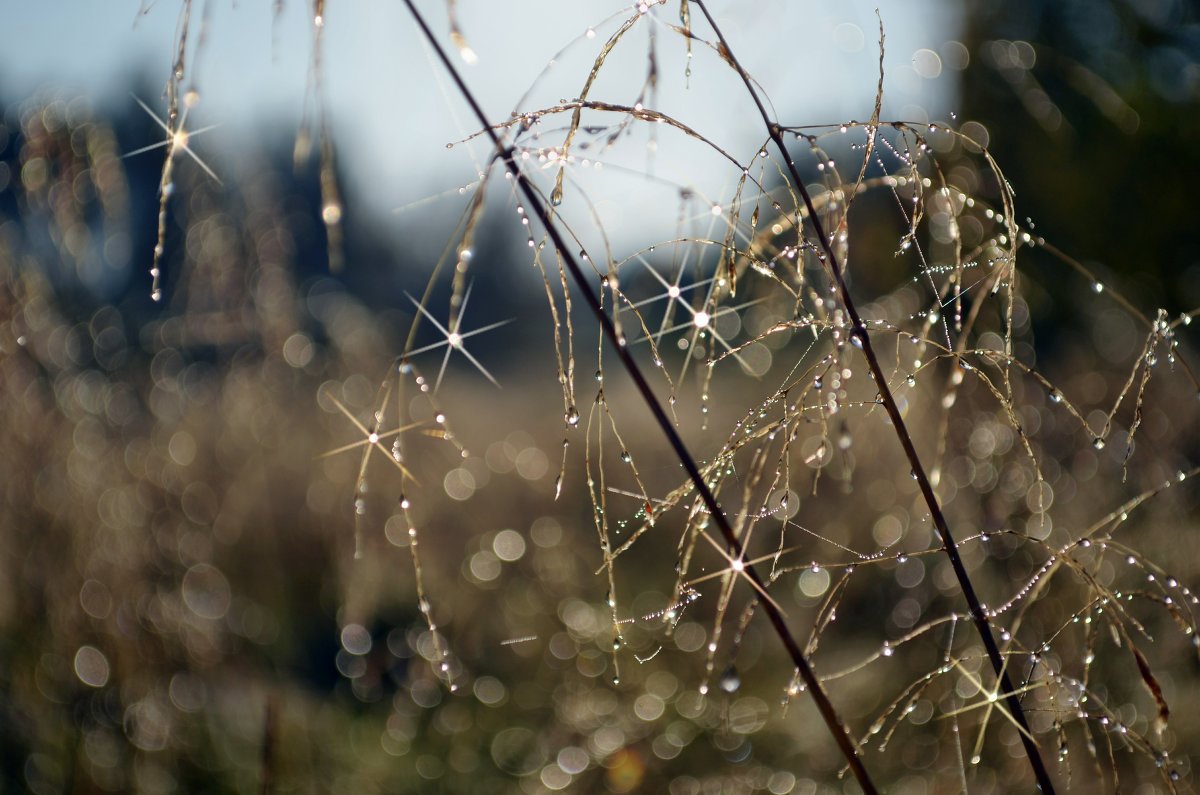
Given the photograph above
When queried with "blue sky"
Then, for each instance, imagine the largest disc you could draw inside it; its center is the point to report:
(392, 113)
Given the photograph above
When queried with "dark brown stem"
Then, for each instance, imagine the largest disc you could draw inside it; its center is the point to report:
(861, 335)
(538, 207)
(267, 762)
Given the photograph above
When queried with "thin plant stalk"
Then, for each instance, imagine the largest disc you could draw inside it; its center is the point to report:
(861, 335)
(505, 153)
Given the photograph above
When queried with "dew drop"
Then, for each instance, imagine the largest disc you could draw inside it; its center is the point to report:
(730, 681)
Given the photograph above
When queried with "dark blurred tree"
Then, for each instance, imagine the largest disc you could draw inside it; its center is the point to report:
(1094, 112)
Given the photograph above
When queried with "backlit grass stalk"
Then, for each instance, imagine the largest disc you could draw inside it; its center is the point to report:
(863, 339)
(537, 205)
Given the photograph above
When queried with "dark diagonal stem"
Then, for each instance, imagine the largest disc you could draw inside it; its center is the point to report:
(859, 330)
(537, 206)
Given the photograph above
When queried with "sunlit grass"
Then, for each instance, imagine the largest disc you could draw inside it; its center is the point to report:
(213, 581)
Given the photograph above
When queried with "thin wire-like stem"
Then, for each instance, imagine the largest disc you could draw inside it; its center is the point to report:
(859, 330)
(537, 207)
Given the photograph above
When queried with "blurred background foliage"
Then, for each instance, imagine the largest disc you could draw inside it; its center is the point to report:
(180, 606)
(1097, 105)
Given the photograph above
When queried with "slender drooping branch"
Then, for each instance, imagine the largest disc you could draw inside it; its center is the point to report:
(863, 338)
(538, 207)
